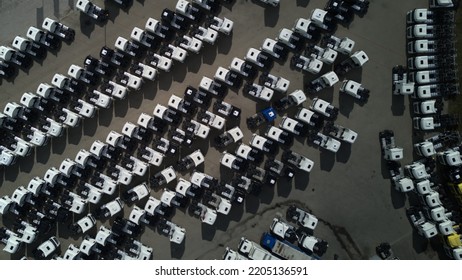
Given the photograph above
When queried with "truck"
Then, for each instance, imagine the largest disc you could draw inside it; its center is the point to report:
(258, 91)
(302, 217)
(291, 39)
(295, 98)
(323, 20)
(342, 45)
(429, 31)
(9, 55)
(314, 246)
(356, 90)
(274, 48)
(389, 149)
(282, 230)
(427, 107)
(324, 108)
(29, 47)
(226, 109)
(436, 90)
(429, 146)
(429, 16)
(232, 255)
(253, 251)
(297, 160)
(435, 76)
(327, 80)
(401, 85)
(267, 115)
(92, 10)
(340, 132)
(430, 46)
(442, 4)
(47, 39)
(246, 69)
(356, 60)
(276, 83)
(326, 55)
(444, 121)
(309, 64)
(423, 227)
(324, 141)
(282, 249)
(66, 33)
(426, 62)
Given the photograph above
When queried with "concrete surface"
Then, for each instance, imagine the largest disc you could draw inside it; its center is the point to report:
(348, 192)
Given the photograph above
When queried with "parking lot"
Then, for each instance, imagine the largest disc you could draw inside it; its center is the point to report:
(348, 191)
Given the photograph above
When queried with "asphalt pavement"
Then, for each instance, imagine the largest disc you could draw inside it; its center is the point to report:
(349, 191)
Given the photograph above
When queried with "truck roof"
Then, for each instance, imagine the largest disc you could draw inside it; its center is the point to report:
(284, 250)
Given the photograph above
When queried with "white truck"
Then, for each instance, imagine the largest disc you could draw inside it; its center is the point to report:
(253, 251)
(427, 62)
(284, 250)
(295, 98)
(401, 85)
(356, 60)
(428, 31)
(342, 45)
(309, 64)
(92, 10)
(325, 142)
(430, 46)
(326, 55)
(340, 132)
(44, 38)
(435, 91)
(355, 89)
(424, 228)
(29, 47)
(297, 160)
(273, 82)
(306, 28)
(427, 107)
(66, 33)
(389, 149)
(192, 160)
(429, 16)
(302, 217)
(261, 92)
(323, 20)
(429, 146)
(428, 123)
(9, 55)
(324, 108)
(230, 136)
(327, 80)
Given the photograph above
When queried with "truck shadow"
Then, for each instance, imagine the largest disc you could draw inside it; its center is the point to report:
(177, 250)
(58, 145)
(397, 105)
(90, 126)
(105, 116)
(194, 63)
(252, 203)
(303, 3)
(346, 104)
(225, 43)
(301, 180)
(87, 26)
(344, 152)
(398, 199)
(326, 160)
(284, 187)
(74, 135)
(208, 231)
